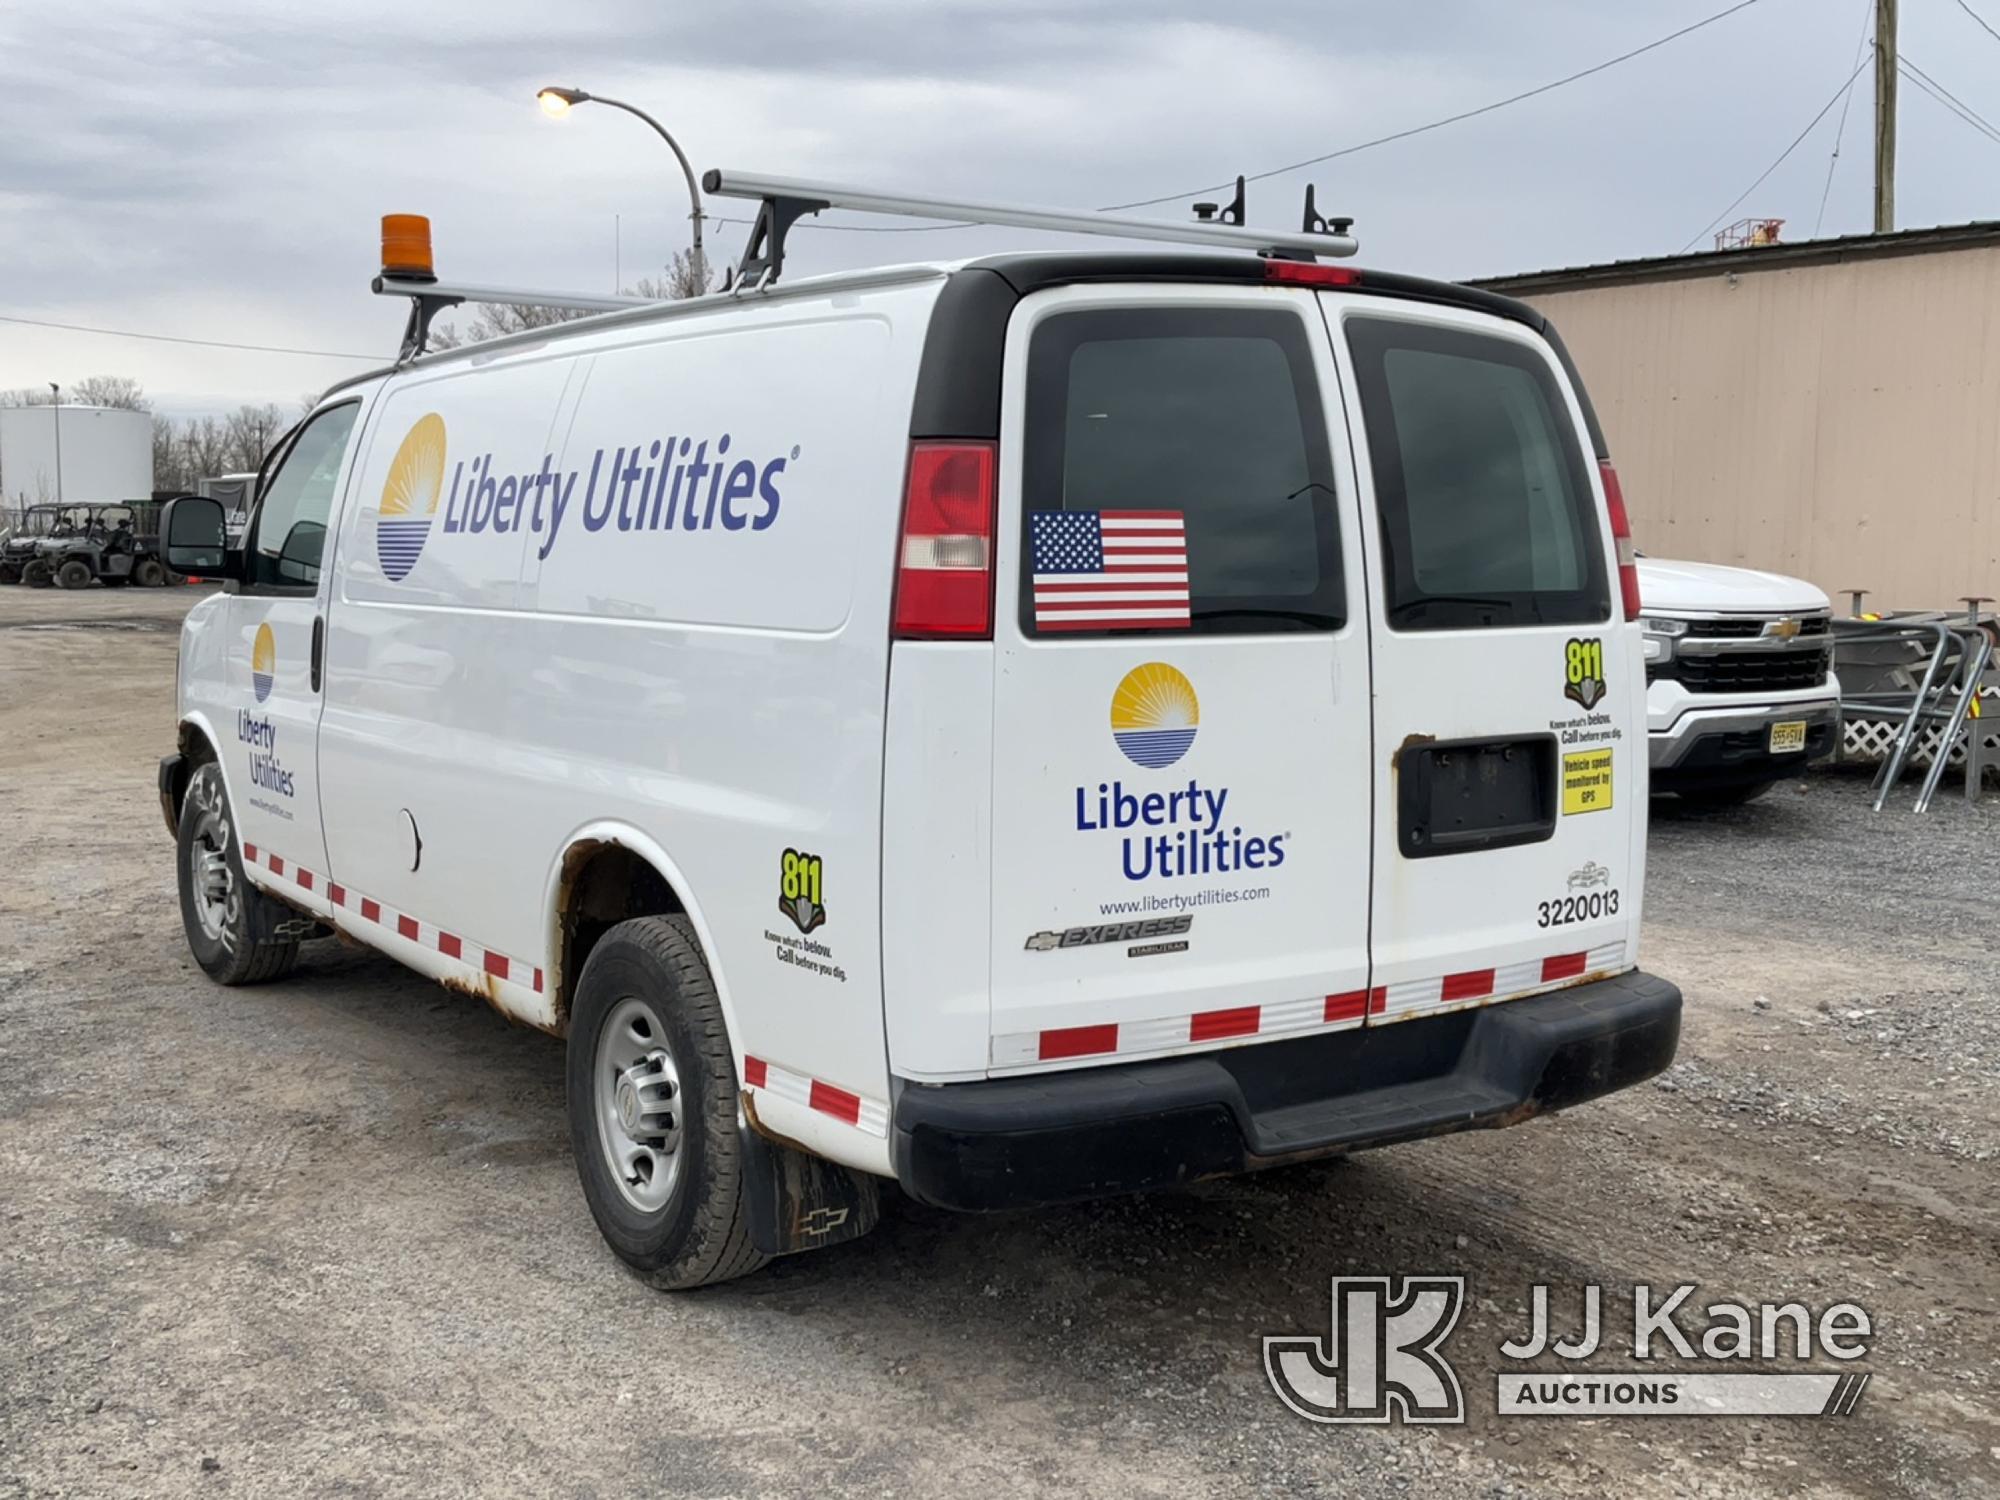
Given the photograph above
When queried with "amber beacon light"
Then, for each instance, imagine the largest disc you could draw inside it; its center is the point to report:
(406, 247)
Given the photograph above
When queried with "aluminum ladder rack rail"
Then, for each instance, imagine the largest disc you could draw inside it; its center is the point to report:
(787, 199)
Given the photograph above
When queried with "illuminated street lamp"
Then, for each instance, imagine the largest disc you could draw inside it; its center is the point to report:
(556, 104)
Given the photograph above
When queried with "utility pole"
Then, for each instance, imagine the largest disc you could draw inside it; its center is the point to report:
(1885, 116)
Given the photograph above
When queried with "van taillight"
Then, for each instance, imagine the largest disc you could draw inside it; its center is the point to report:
(944, 577)
(1621, 533)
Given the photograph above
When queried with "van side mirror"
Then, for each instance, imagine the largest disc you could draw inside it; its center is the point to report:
(195, 539)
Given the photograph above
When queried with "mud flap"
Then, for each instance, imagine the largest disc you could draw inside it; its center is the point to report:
(797, 1201)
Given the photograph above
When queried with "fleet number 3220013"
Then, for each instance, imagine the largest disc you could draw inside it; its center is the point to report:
(1565, 910)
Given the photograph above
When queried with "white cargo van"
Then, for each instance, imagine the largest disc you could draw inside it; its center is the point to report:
(1047, 726)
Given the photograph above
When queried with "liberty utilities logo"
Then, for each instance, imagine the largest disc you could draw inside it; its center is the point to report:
(1380, 1360)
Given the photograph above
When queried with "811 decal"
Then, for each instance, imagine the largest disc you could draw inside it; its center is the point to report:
(1583, 671)
(800, 877)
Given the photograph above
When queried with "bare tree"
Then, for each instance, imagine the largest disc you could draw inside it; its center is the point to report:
(119, 391)
(25, 395)
(169, 469)
(206, 447)
(251, 431)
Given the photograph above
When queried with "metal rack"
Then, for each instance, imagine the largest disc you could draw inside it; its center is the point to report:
(1917, 679)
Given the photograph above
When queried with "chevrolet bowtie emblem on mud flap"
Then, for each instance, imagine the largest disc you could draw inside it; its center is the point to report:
(1380, 1361)
(820, 1221)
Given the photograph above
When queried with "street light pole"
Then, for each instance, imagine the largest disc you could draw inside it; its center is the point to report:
(55, 410)
(556, 103)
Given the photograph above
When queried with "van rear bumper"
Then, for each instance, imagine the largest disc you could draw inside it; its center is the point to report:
(1054, 1137)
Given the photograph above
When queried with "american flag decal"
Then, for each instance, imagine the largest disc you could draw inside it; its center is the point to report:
(1109, 569)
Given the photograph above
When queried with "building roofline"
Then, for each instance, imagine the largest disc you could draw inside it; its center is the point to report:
(1975, 234)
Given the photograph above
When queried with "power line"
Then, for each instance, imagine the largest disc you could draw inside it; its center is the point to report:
(1824, 110)
(1980, 19)
(167, 338)
(1918, 76)
(1840, 130)
(1313, 161)
(1950, 101)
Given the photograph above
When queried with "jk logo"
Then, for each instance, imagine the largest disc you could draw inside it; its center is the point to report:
(1380, 1361)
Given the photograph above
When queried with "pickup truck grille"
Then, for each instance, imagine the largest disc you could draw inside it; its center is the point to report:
(1740, 665)
(1751, 671)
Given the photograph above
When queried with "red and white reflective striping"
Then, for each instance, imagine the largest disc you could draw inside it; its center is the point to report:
(409, 928)
(870, 1115)
(1393, 1002)
(1405, 998)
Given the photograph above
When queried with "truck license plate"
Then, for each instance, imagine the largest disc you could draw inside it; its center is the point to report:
(1790, 735)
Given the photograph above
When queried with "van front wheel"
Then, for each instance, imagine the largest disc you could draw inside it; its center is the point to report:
(652, 1107)
(237, 934)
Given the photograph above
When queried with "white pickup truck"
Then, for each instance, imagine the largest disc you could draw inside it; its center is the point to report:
(1740, 691)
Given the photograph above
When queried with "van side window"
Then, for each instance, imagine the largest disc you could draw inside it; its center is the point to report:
(284, 552)
(1207, 425)
(1486, 508)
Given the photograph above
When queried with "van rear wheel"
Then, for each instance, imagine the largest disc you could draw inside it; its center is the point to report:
(237, 934)
(653, 1107)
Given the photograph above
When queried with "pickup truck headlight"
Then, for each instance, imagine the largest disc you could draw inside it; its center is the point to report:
(1659, 637)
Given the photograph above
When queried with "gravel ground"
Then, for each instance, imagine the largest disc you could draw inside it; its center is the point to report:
(325, 1237)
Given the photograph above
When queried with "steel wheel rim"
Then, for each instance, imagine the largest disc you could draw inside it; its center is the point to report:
(218, 901)
(636, 1094)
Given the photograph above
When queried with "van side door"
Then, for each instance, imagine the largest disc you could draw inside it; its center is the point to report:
(277, 641)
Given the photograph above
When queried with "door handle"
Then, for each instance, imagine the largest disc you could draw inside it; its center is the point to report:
(319, 640)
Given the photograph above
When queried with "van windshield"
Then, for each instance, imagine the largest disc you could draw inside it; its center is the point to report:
(1487, 514)
(1176, 475)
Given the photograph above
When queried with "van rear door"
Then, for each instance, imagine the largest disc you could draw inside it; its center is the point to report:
(1181, 795)
(1510, 743)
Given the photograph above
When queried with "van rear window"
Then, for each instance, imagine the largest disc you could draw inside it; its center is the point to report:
(1184, 448)
(1486, 508)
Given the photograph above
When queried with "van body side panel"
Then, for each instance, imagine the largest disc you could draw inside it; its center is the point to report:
(705, 660)
(937, 859)
(426, 647)
(1510, 731)
(1181, 834)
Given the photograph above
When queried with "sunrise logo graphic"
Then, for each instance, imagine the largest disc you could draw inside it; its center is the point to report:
(409, 498)
(263, 662)
(1154, 715)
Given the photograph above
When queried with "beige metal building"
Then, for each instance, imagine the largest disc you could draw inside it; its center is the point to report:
(1829, 409)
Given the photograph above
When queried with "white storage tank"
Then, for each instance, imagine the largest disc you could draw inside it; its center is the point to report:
(106, 454)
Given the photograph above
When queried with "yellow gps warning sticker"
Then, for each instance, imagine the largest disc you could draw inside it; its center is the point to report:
(1586, 781)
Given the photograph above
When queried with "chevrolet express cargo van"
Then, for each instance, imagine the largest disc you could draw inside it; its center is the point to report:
(1042, 727)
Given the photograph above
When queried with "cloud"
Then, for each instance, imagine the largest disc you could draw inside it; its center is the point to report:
(218, 169)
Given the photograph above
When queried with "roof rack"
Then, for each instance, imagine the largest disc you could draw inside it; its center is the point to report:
(787, 199)
(407, 264)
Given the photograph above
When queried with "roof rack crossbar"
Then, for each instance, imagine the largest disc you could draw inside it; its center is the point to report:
(429, 298)
(785, 199)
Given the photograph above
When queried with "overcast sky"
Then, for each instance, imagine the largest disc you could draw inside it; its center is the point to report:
(218, 170)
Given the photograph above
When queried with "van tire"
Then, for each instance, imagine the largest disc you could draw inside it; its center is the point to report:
(701, 1234)
(239, 940)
